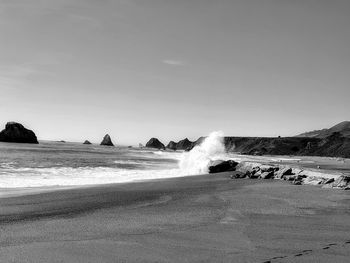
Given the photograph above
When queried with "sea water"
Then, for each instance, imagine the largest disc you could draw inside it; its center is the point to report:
(74, 164)
(70, 164)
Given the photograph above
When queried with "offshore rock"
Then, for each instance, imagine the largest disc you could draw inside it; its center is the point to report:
(184, 144)
(16, 132)
(155, 143)
(172, 145)
(107, 141)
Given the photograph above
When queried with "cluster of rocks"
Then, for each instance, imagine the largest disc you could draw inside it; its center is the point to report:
(17, 133)
(184, 144)
(106, 141)
(294, 175)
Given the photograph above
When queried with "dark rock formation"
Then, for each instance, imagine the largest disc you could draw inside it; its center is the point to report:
(342, 182)
(87, 142)
(222, 166)
(107, 141)
(296, 176)
(155, 143)
(237, 175)
(16, 132)
(184, 144)
(329, 181)
(172, 145)
(267, 175)
(282, 172)
(195, 143)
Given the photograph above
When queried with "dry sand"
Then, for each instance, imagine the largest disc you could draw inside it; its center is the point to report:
(207, 218)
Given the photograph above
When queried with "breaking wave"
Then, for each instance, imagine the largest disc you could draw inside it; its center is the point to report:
(68, 176)
(197, 160)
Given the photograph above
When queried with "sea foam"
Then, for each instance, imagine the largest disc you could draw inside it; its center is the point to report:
(197, 160)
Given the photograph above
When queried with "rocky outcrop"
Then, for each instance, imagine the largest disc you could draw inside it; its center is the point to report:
(342, 182)
(172, 145)
(16, 132)
(87, 142)
(335, 145)
(155, 143)
(257, 170)
(283, 171)
(296, 176)
(107, 141)
(222, 166)
(184, 144)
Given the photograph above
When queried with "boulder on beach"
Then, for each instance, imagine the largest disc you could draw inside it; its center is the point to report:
(237, 175)
(257, 170)
(283, 171)
(87, 142)
(267, 175)
(172, 145)
(16, 132)
(107, 141)
(342, 182)
(155, 143)
(184, 144)
(222, 166)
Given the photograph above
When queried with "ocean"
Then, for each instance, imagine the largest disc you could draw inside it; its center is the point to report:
(73, 164)
(57, 164)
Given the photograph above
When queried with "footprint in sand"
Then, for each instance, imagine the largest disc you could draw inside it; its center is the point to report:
(332, 244)
(279, 257)
(306, 251)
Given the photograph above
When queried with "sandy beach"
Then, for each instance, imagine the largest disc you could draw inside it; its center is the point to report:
(208, 218)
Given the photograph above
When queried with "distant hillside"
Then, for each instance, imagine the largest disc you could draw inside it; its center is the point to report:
(335, 145)
(343, 128)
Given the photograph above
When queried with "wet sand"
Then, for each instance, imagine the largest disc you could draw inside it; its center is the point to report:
(208, 218)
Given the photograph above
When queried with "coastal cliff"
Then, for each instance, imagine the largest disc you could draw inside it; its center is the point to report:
(335, 145)
(332, 142)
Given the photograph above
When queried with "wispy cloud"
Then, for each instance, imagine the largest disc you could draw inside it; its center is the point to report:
(173, 62)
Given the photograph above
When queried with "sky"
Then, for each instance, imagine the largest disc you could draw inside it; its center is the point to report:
(135, 69)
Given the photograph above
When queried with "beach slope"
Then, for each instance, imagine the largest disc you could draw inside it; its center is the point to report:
(207, 218)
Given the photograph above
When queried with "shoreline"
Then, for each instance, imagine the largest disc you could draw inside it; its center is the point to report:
(330, 167)
(208, 218)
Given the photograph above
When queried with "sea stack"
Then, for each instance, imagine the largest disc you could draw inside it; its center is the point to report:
(107, 141)
(155, 143)
(86, 142)
(183, 144)
(16, 132)
(171, 145)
